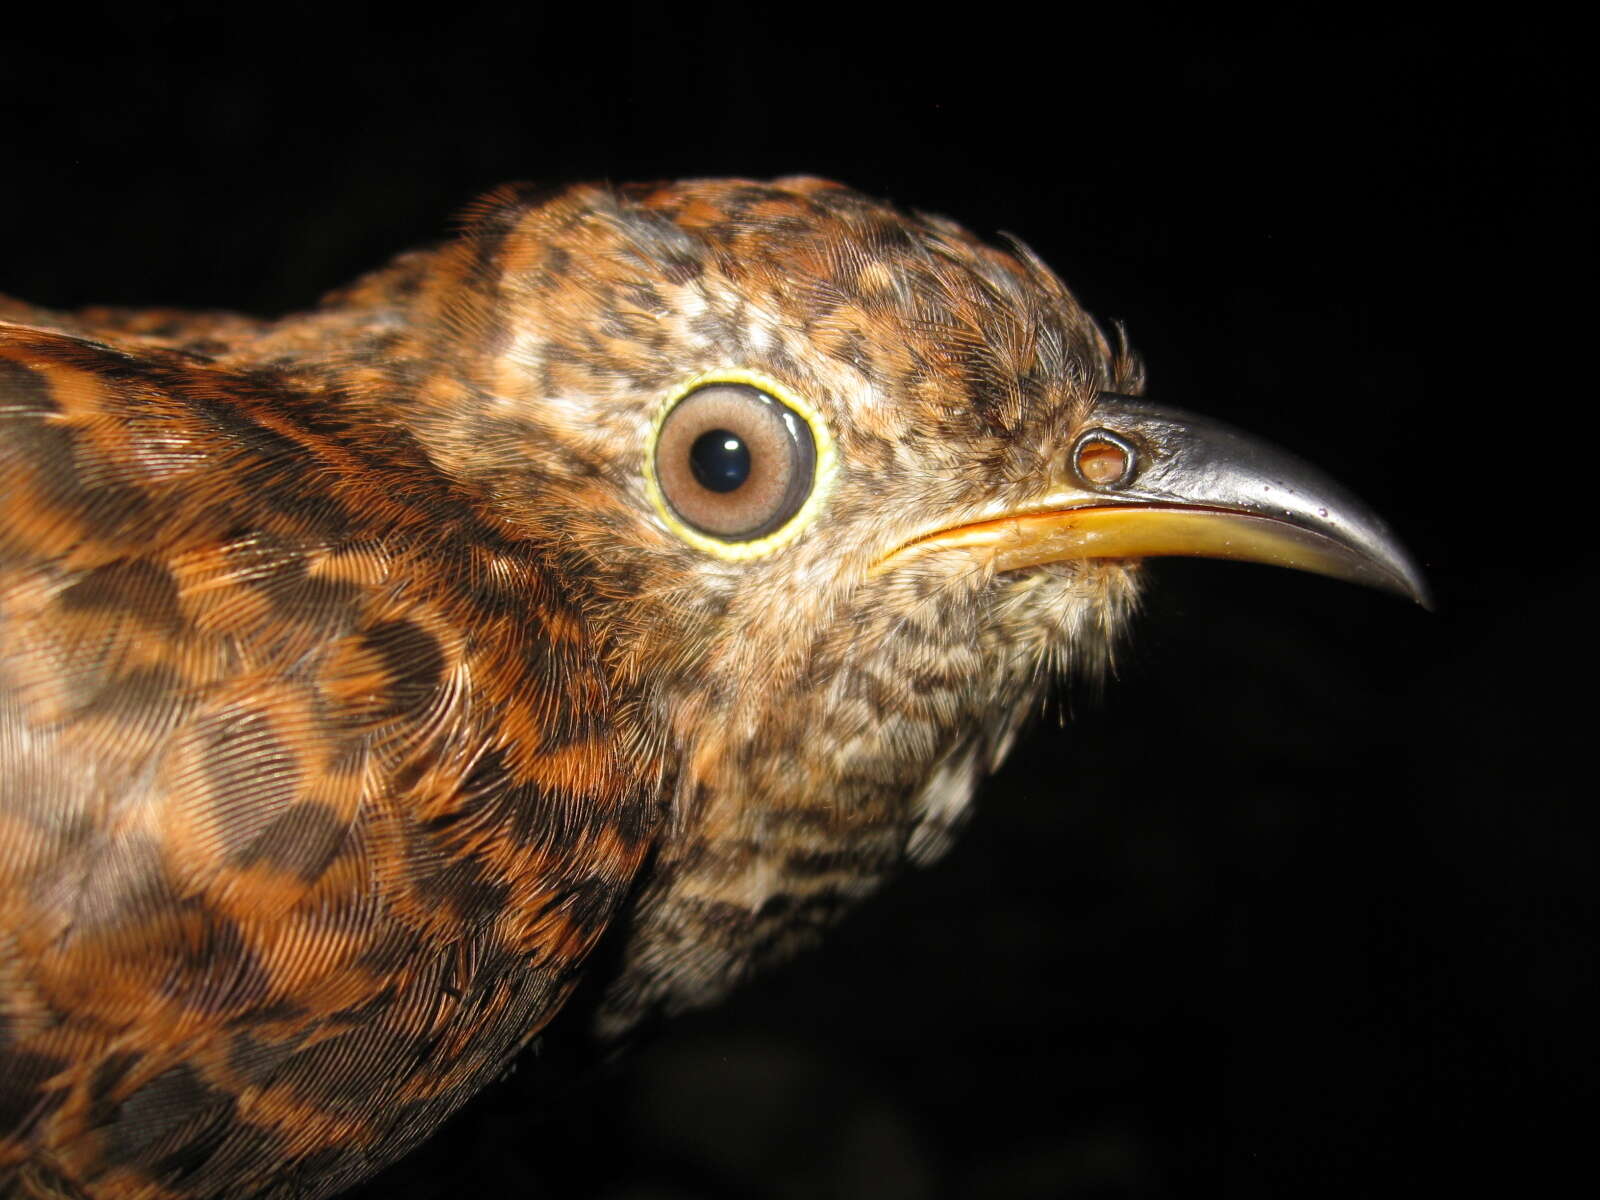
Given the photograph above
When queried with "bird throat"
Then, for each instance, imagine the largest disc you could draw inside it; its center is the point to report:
(785, 828)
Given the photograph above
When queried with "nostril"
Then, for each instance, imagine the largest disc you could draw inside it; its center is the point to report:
(1102, 459)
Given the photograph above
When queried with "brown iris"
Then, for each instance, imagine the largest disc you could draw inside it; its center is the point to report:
(734, 462)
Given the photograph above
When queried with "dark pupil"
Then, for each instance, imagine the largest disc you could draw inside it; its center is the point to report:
(719, 460)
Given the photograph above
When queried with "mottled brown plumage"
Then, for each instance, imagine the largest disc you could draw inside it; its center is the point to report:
(352, 685)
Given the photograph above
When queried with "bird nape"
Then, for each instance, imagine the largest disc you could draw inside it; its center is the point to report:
(663, 565)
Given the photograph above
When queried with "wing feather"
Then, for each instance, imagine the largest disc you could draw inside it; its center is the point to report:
(281, 879)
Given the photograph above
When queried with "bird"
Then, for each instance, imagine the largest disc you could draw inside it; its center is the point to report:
(644, 573)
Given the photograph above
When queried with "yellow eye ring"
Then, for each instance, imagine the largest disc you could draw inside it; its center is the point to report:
(823, 466)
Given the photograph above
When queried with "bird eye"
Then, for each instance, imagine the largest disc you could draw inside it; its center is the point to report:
(732, 465)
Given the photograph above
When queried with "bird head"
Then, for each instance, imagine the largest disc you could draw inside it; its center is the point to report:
(842, 490)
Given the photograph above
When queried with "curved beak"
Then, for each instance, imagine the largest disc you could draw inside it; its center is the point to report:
(1145, 480)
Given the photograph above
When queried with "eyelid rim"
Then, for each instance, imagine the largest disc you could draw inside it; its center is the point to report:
(823, 475)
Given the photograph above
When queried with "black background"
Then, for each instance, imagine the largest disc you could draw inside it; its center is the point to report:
(1301, 904)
